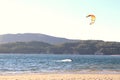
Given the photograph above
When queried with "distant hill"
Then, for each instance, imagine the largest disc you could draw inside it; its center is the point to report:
(41, 43)
(27, 37)
(86, 47)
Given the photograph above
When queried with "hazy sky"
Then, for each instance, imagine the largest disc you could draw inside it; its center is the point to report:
(62, 18)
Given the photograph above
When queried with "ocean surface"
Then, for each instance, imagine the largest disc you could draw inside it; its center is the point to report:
(51, 63)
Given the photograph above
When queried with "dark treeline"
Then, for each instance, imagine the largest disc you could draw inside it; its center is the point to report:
(89, 47)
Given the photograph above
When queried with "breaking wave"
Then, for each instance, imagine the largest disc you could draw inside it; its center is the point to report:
(64, 60)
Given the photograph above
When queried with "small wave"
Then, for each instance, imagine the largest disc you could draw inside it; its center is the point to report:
(64, 60)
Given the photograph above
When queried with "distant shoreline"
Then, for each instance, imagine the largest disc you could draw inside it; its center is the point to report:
(63, 54)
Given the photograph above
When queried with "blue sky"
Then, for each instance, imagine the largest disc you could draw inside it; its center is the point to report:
(62, 18)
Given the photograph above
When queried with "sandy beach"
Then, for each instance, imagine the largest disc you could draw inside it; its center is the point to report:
(60, 77)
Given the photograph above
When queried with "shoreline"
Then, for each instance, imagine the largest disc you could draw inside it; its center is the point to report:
(61, 72)
(64, 76)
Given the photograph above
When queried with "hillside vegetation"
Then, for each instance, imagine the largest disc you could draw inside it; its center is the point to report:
(83, 47)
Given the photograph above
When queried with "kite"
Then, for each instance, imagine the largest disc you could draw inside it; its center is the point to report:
(92, 18)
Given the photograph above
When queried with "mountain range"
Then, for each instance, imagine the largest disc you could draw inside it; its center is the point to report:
(41, 43)
(27, 37)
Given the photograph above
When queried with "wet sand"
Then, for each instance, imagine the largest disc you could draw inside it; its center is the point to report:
(60, 77)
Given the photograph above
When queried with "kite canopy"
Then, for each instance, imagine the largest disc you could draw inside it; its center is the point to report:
(92, 18)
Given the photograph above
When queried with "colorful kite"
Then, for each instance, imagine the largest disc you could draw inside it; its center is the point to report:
(92, 18)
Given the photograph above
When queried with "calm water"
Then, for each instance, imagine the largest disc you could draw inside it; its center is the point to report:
(44, 63)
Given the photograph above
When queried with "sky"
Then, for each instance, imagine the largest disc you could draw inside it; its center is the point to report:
(62, 18)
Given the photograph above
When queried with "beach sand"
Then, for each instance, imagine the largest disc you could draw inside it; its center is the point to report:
(60, 77)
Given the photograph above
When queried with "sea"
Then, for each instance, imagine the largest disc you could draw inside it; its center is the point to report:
(57, 63)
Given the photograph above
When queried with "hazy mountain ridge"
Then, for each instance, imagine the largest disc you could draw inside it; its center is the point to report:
(27, 37)
(40, 43)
